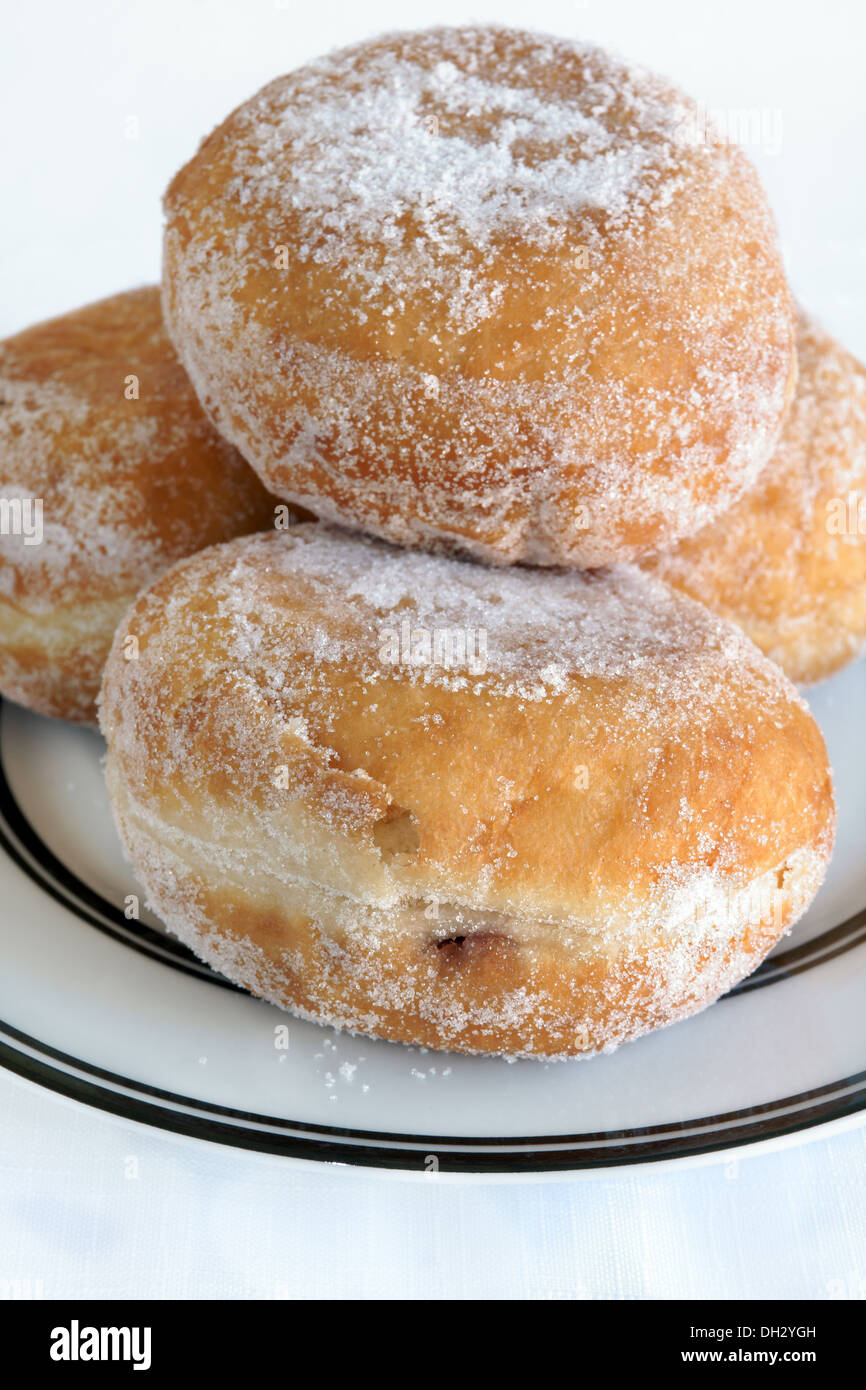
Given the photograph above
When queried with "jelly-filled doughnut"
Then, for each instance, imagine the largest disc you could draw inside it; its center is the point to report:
(788, 561)
(510, 811)
(484, 290)
(109, 472)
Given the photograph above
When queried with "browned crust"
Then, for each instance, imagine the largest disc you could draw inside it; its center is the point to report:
(128, 486)
(708, 778)
(777, 563)
(483, 992)
(604, 410)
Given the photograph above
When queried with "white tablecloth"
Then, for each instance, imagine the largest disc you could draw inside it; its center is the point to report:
(199, 1221)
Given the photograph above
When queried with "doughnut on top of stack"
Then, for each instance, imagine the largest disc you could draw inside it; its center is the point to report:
(484, 289)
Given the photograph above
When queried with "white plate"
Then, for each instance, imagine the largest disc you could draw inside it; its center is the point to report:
(115, 1013)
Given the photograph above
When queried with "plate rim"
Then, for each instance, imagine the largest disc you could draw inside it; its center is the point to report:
(479, 1155)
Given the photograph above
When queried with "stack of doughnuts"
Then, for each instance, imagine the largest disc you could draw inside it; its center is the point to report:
(498, 751)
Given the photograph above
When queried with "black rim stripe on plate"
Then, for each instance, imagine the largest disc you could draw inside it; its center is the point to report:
(415, 1158)
(62, 884)
(709, 1123)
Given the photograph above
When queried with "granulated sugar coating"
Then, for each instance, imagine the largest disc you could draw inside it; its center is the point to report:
(100, 427)
(485, 290)
(788, 561)
(586, 822)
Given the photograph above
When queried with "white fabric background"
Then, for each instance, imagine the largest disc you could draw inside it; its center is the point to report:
(82, 219)
(205, 1222)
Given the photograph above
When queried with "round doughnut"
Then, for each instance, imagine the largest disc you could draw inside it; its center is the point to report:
(484, 290)
(515, 811)
(101, 431)
(788, 562)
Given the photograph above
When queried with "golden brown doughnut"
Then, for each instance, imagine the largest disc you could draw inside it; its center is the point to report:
(586, 825)
(99, 424)
(482, 289)
(788, 562)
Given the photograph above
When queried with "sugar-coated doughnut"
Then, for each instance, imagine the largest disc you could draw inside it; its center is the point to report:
(109, 472)
(788, 562)
(514, 811)
(484, 290)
